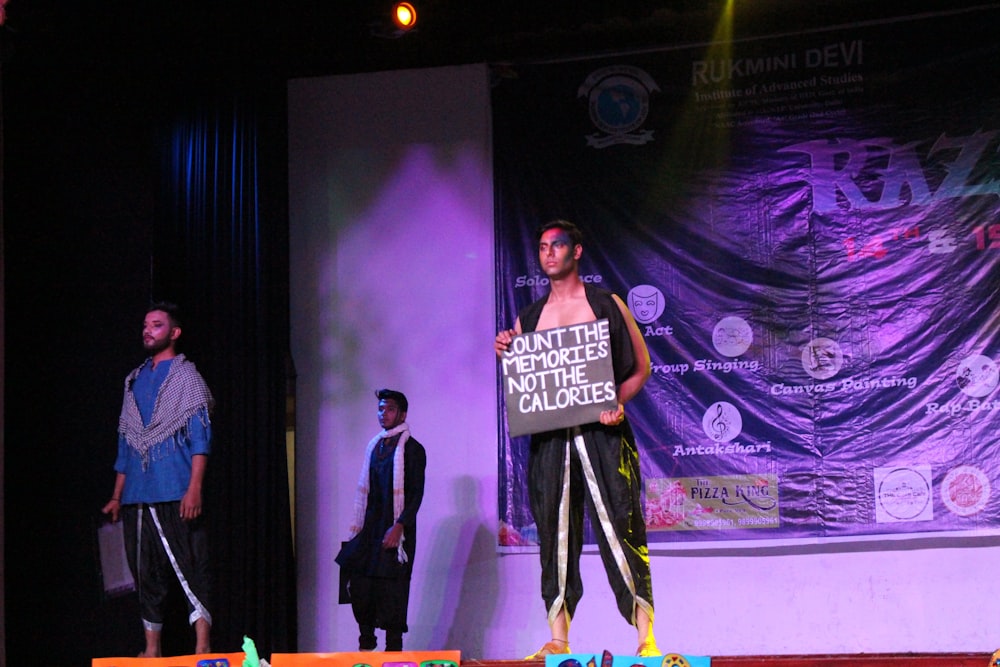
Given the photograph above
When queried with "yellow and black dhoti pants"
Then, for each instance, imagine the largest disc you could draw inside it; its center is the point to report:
(597, 465)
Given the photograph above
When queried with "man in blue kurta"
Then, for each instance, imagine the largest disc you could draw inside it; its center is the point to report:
(164, 438)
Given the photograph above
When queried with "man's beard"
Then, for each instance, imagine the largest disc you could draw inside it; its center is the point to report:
(155, 346)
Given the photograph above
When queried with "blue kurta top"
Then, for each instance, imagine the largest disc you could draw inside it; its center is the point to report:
(169, 472)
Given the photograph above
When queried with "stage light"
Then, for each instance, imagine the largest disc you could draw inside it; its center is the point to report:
(404, 16)
(402, 20)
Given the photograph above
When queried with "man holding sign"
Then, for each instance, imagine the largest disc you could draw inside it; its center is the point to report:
(596, 461)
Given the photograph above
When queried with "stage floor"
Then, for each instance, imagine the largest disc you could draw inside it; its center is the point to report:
(453, 658)
(858, 660)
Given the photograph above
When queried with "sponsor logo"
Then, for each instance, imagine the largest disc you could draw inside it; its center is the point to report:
(903, 494)
(712, 502)
(965, 490)
(666, 501)
(618, 101)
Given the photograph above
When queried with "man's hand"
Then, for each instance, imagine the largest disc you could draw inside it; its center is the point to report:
(191, 505)
(393, 536)
(502, 341)
(613, 417)
(113, 507)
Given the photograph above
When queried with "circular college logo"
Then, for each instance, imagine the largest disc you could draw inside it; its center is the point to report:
(646, 303)
(732, 336)
(904, 494)
(618, 101)
(822, 358)
(965, 490)
(722, 422)
(977, 376)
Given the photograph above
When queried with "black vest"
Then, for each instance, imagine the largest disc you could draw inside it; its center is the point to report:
(604, 307)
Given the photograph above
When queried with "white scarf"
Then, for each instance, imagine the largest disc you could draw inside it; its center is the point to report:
(398, 495)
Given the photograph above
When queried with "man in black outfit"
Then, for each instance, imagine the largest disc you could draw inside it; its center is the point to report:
(595, 463)
(377, 560)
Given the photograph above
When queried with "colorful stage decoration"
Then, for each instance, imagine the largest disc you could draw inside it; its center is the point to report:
(199, 660)
(355, 659)
(369, 659)
(606, 659)
(806, 229)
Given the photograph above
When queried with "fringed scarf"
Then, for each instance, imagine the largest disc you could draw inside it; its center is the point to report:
(398, 494)
(182, 395)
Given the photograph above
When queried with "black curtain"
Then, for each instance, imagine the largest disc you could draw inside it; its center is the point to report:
(123, 184)
(220, 246)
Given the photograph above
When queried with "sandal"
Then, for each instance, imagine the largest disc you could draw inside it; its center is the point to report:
(552, 647)
(648, 649)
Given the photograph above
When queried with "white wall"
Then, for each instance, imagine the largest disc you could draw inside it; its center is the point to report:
(392, 285)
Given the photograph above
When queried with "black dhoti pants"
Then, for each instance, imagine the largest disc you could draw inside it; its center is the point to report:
(161, 548)
(597, 465)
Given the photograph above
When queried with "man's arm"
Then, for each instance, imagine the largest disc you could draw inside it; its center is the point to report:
(641, 369)
(191, 502)
(199, 433)
(631, 385)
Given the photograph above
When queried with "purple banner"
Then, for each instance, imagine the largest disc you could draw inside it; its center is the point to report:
(807, 231)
